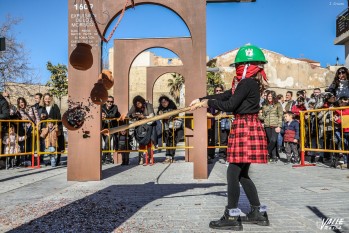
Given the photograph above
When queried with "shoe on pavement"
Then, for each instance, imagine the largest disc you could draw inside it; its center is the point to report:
(227, 222)
(167, 160)
(258, 215)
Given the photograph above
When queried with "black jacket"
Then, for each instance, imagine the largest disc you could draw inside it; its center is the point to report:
(244, 101)
(4, 109)
(113, 112)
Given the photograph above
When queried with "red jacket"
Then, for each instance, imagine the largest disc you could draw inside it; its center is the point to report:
(296, 109)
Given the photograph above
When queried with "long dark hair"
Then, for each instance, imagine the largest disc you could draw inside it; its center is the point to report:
(336, 77)
(23, 100)
(260, 81)
(136, 99)
(274, 100)
(171, 104)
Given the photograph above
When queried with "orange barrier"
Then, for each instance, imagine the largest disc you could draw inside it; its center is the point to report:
(219, 119)
(111, 150)
(38, 131)
(135, 147)
(12, 141)
(34, 137)
(323, 120)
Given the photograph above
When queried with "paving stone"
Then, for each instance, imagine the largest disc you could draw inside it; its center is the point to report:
(166, 198)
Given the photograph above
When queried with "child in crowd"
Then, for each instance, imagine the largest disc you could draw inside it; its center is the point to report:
(10, 140)
(290, 131)
(124, 144)
(50, 133)
(299, 106)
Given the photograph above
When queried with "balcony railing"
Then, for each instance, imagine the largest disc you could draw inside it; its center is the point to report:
(342, 23)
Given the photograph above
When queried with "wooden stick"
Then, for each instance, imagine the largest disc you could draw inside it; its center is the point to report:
(147, 120)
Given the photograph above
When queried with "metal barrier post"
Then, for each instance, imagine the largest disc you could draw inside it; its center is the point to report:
(302, 142)
(37, 136)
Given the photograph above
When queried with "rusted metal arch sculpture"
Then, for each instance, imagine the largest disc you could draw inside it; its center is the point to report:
(154, 73)
(84, 159)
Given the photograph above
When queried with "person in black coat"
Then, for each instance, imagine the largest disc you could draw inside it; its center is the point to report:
(141, 109)
(13, 110)
(111, 112)
(168, 126)
(4, 115)
(4, 108)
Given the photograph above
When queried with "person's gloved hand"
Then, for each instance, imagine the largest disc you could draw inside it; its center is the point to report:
(193, 103)
(204, 103)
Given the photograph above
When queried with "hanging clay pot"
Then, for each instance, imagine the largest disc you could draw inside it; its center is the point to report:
(81, 58)
(99, 94)
(106, 78)
(73, 119)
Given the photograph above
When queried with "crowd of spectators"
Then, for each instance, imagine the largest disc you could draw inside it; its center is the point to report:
(323, 129)
(280, 116)
(17, 124)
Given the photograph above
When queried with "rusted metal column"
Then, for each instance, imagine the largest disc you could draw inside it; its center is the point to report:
(84, 153)
(192, 52)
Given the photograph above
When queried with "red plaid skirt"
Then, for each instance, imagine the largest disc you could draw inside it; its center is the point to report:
(247, 141)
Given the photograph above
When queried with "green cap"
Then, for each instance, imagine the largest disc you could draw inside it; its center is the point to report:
(249, 53)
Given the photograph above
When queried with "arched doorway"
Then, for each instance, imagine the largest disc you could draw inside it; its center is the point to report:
(83, 153)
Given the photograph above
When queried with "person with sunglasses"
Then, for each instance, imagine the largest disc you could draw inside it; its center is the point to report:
(340, 85)
(111, 112)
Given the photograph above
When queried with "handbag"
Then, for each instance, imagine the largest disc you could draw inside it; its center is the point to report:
(225, 124)
(176, 124)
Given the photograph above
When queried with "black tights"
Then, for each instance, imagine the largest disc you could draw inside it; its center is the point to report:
(272, 137)
(238, 172)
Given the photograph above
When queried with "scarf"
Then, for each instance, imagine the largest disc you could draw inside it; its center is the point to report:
(246, 71)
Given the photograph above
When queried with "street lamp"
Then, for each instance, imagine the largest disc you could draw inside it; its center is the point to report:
(2, 44)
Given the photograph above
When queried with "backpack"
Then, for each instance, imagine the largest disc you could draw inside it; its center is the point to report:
(143, 134)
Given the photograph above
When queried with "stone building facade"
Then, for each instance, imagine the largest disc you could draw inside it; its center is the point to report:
(28, 91)
(283, 73)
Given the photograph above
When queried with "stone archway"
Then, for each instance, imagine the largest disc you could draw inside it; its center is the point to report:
(84, 153)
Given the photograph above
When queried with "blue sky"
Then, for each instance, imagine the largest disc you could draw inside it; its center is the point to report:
(297, 28)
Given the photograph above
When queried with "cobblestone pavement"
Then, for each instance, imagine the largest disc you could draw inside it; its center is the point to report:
(166, 198)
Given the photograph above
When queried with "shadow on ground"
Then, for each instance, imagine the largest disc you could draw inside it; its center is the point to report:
(106, 210)
(114, 170)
